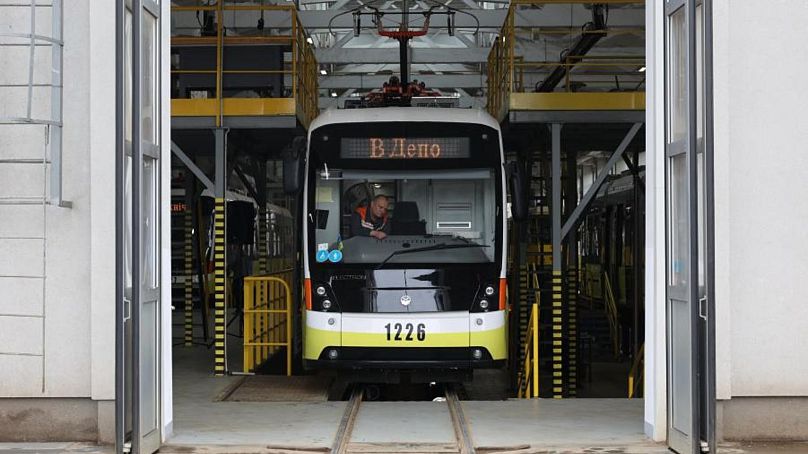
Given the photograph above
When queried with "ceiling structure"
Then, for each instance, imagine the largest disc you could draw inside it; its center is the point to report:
(457, 64)
(353, 64)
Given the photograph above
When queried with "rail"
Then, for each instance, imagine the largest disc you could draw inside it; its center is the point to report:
(528, 386)
(512, 77)
(636, 375)
(267, 319)
(301, 73)
(610, 307)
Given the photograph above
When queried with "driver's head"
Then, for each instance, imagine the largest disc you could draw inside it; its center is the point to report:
(378, 207)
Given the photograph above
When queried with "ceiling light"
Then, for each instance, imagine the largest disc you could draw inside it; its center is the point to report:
(323, 72)
(309, 40)
(642, 69)
(333, 94)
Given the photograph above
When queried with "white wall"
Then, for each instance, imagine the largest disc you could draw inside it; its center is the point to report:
(655, 351)
(764, 140)
(57, 332)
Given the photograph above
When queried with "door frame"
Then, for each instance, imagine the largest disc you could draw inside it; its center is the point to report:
(656, 370)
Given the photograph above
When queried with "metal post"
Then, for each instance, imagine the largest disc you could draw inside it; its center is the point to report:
(137, 214)
(692, 215)
(557, 291)
(556, 194)
(220, 255)
(709, 219)
(571, 196)
(120, 156)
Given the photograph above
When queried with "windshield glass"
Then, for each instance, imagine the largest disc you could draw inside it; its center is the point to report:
(404, 216)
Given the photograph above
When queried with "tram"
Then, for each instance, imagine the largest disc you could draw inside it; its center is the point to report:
(431, 294)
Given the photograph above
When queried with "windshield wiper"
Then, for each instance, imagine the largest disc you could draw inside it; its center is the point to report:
(427, 248)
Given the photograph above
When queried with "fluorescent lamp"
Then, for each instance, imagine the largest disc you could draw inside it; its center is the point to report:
(323, 72)
(642, 69)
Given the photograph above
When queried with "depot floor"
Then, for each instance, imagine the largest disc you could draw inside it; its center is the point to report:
(204, 424)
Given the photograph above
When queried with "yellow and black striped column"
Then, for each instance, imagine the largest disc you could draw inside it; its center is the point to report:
(572, 332)
(188, 248)
(219, 287)
(261, 234)
(558, 335)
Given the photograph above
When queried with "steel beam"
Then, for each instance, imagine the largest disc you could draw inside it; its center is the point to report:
(192, 166)
(556, 194)
(593, 190)
(431, 80)
(548, 16)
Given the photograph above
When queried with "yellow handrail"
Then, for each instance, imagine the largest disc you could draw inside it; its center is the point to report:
(635, 375)
(303, 70)
(267, 319)
(528, 386)
(506, 69)
(611, 312)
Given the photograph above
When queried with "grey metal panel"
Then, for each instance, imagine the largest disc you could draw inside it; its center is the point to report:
(583, 116)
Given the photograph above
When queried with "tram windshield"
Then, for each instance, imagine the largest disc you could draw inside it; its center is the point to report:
(440, 185)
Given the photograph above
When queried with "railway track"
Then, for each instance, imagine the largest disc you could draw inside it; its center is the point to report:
(463, 443)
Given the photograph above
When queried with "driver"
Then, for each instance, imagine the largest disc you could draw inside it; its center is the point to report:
(372, 222)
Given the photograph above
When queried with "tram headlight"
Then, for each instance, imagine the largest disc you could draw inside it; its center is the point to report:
(326, 304)
(489, 291)
(320, 291)
(484, 305)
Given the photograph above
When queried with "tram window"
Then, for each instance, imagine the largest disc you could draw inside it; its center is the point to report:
(457, 208)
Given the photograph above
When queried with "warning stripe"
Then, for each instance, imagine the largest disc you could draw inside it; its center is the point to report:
(572, 331)
(220, 288)
(189, 283)
(558, 336)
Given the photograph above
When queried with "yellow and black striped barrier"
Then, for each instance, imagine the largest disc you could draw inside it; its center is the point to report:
(188, 248)
(219, 287)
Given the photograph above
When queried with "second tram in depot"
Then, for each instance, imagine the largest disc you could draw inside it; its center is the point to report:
(430, 297)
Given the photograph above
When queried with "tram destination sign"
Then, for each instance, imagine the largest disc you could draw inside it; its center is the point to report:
(404, 148)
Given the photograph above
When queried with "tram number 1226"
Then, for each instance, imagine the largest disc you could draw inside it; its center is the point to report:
(399, 332)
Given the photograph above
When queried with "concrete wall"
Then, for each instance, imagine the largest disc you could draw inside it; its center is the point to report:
(767, 206)
(760, 213)
(57, 264)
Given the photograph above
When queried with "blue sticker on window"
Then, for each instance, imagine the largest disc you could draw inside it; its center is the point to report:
(335, 256)
(322, 256)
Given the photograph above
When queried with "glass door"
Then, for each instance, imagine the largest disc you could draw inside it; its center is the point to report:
(688, 208)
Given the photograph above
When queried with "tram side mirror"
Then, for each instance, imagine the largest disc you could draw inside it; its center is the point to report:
(516, 178)
(293, 165)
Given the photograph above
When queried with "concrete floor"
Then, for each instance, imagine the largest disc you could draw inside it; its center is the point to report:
(555, 422)
(199, 420)
(202, 424)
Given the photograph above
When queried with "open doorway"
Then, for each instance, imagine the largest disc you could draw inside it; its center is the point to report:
(607, 279)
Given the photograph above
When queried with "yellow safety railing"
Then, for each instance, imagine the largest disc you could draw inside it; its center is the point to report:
(507, 70)
(636, 374)
(500, 69)
(528, 385)
(301, 71)
(267, 319)
(610, 307)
